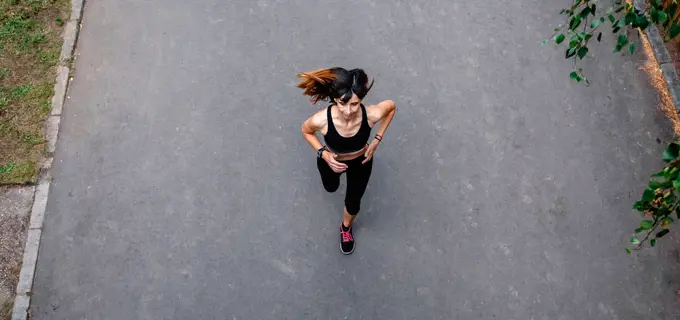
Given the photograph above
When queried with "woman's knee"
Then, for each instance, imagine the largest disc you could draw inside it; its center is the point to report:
(352, 206)
(331, 187)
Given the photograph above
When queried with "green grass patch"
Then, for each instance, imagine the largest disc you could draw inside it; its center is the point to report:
(18, 173)
(30, 42)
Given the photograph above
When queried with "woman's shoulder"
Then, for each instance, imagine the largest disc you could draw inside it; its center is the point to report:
(319, 119)
(377, 111)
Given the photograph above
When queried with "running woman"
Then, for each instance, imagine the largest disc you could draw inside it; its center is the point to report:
(346, 127)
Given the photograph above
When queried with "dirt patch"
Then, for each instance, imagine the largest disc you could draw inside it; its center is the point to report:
(15, 207)
(657, 81)
(30, 44)
(6, 310)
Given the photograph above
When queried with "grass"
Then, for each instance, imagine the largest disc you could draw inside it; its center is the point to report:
(30, 43)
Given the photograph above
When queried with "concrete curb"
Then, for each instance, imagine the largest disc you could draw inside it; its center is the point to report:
(670, 75)
(22, 300)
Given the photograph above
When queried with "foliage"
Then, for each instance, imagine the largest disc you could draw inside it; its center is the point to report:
(659, 201)
(586, 21)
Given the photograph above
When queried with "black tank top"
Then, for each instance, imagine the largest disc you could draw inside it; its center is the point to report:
(341, 144)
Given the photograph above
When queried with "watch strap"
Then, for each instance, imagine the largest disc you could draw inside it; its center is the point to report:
(319, 152)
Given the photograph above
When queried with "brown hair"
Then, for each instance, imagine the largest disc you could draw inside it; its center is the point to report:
(334, 83)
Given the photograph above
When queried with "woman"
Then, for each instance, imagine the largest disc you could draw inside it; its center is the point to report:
(346, 126)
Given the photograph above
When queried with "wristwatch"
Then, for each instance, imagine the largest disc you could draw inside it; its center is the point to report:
(319, 152)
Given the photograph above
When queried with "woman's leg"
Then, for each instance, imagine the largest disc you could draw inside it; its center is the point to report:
(358, 175)
(357, 179)
(330, 179)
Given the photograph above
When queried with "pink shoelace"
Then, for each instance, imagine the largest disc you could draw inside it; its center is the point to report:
(346, 236)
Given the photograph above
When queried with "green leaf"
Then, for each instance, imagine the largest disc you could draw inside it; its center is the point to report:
(648, 195)
(574, 43)
(646, 224)
(654, 14)
(640, 205)
(634, 240)
(630, 18)
(611, 18)
(575, 22)
(575, 76)
(632, 48)
(615, 31)
(653, 184)
(674, 30)
(676, 185)
(592, 9)
(638, 230)
(641, 22)
(599, 37)
(582, 52)
(570, 53)
(619, 9)
(628, 250)
(621, 23)
(595, 23)
(662, 17)
(622, 40)
(662, 233)
(559, 38)
(672, 152)
(661, 173)
(585, 12)
(652, 242)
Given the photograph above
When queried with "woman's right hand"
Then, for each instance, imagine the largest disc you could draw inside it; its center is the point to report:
(336, 166)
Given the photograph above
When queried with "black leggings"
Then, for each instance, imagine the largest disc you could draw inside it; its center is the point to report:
(357, 179)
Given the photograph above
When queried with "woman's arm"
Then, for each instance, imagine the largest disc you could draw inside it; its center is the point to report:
(382, 113)
(309, 129)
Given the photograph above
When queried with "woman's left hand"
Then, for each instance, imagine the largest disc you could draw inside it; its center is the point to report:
(370, 151)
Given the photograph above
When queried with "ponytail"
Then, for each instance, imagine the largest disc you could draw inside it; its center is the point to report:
(317, 84)
(334, 83)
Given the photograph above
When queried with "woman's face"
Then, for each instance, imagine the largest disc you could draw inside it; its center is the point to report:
(349, 110)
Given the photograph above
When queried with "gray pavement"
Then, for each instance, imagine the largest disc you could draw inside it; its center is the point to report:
(183, 188)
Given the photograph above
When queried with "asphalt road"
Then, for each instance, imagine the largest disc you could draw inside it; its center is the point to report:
(183, 188)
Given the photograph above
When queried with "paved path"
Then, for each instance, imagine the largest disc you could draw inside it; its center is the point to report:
(184, 190)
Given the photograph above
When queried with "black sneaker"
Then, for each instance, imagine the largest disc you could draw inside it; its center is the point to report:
(346, 239)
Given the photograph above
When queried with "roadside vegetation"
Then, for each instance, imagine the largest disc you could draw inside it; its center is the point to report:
(30, 44)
